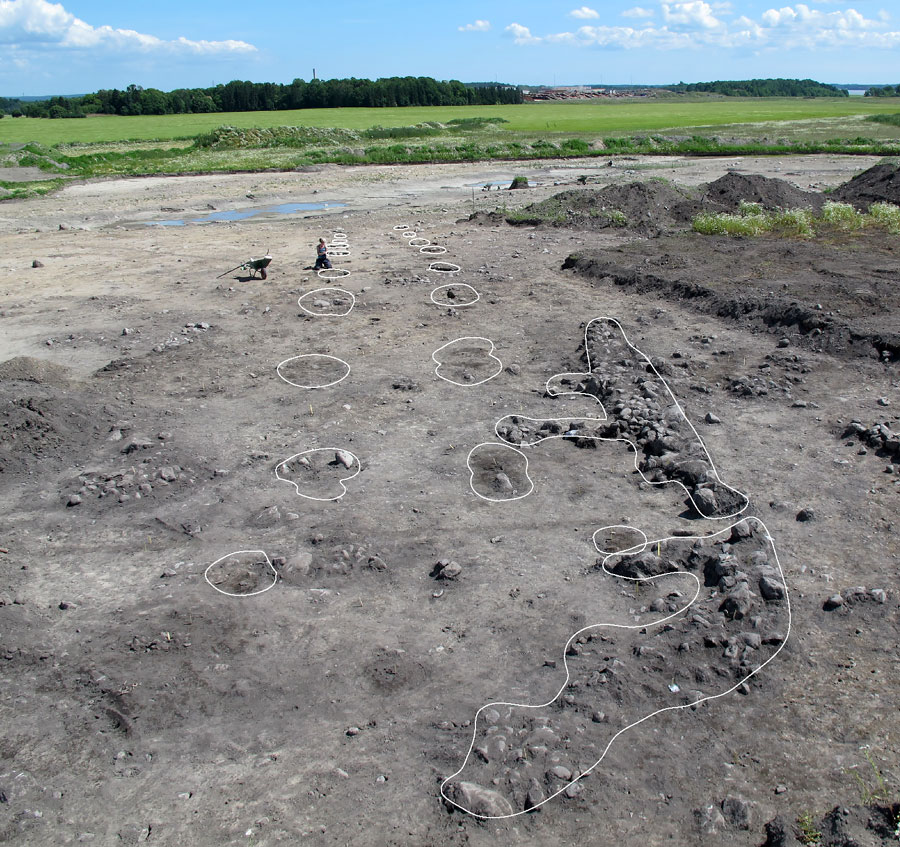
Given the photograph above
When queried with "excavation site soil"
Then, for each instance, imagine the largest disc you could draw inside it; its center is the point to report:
(537, 519)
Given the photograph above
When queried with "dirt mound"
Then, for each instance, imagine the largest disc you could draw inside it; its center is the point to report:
(655, 206)
(879, 184)
(645, 207)
(42, 427)
(728, 191)
(28, 369)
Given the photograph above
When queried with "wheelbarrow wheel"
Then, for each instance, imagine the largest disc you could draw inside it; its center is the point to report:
(262, 273)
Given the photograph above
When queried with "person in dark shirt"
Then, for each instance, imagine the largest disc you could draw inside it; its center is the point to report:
(322, 260)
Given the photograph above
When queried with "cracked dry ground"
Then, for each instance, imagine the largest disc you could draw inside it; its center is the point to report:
(140, 705)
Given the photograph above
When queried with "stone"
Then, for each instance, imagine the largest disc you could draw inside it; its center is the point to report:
(168, 473)
(268, 517)
(573, 790)
(345, 458)
(709, 819)
(784, 342)
(771, 589)
(706, 501)
(712, 419)
(780, 833)
(736, 811)
(37, 263)
(502, 482)
(883, 401)
(136, 443)
(805, 515)
(479, 800)
(560, 772)
(450, 571)
(738, 602)
(833, 602)
(74, 500)
(535, 795)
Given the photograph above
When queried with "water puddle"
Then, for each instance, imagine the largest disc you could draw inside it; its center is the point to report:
(244, 214)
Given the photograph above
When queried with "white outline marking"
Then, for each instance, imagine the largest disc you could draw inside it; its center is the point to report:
(634, 447)
(502, 499)
(237, 553)
(456, 285)
(642, 625)
(425, 242)
(327, 314)
(341, 480)
(410, 234)
(335, 273)
(635, 549)
(451, 268)
(433, 250)
(313, 356)
(467, 338)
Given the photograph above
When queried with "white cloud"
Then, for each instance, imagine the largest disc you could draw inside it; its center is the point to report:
(478, 26)
(521, 34)
(694, 13)
(39, 22)
(584, 13)
(703, 25)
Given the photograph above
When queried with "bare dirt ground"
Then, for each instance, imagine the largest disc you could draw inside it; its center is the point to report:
(142, 421)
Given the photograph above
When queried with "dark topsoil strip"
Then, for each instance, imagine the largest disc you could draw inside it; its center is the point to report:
(767, 283)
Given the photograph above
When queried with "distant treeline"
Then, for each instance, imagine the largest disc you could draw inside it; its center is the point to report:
(763, 88)
(884, 91)
(237, 96)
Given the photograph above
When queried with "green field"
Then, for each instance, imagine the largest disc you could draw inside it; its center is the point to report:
(600, 118)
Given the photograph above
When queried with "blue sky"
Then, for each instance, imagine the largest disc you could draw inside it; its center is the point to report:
(82, 45)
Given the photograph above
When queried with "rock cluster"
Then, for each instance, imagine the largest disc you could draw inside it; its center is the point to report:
(737, 623)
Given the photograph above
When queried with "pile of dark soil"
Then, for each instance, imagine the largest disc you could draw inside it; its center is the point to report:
(837, 298)
(28, 369)
(43, 426)
(655, 207)
(644, 207)
(879, 184)
(727, 192)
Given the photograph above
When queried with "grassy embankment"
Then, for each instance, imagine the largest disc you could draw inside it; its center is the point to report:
(102, 146)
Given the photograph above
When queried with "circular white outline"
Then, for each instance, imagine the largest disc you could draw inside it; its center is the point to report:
(642, 625)
(339, 251)
(433, 250)
(399, 227)
(312, 356)
(456, 285)
(336, 273)
(236, 553)
(503, 499)
(327, 314)
(409, 233)
(425, 242)
(467, 338)
(633, 550)
(450, 270)
(341, 480)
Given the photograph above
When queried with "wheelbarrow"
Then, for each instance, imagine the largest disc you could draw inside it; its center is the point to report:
(252, 265)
